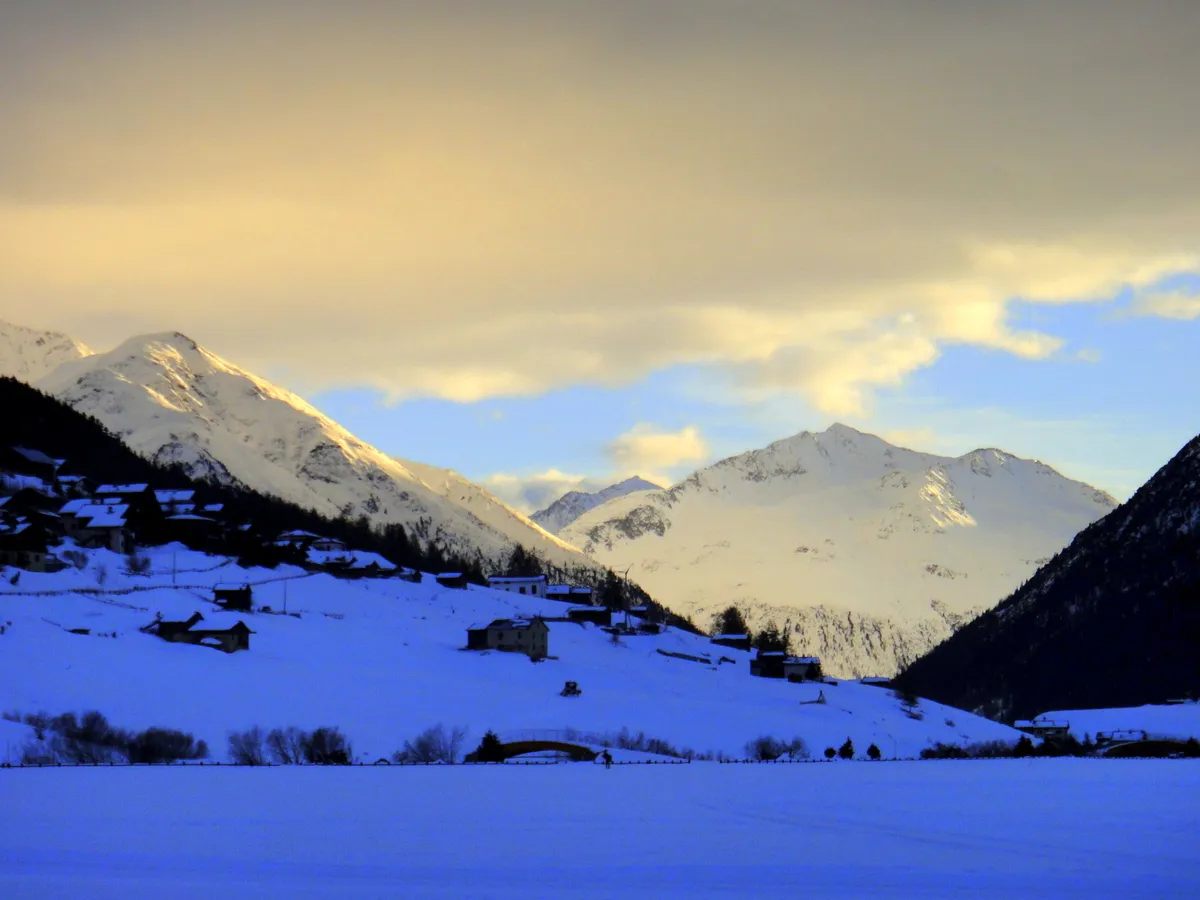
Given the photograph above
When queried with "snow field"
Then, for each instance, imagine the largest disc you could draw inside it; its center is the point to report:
(1041, 828)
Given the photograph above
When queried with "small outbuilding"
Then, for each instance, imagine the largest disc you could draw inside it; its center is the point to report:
(455, 580)
(236, 637)
(733, 641)
(580, 595)
(239, 599)
(599, 615)
(530, 585)
(529, 636)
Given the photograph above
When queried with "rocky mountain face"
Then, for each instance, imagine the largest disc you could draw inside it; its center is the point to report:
(1111, 621)
(573, 504)
(868, 553)
(174, 401)
(28, 354)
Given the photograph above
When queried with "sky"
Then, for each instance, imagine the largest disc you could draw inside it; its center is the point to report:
(550, 244)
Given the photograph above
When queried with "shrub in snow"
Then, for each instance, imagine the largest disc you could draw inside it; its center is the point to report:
(326, 747)
(137, 564)
(287, 745)
(164, 745)
(769, 748)
(873, 752)
(846, 751)
(830, 753)
(436, 744)
(1191, 748)
(101, 574)
(77, 558)
(246, 747)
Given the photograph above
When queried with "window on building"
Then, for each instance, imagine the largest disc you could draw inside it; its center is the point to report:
(521, 589)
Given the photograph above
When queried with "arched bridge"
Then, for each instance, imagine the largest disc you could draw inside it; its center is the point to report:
(576, 752)
(1155, 747)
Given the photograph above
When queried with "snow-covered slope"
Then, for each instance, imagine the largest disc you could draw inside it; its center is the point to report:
(873, 552)
(1176, 720)
(573, 504)
(175, 401)
(28, 354)
(382, 660)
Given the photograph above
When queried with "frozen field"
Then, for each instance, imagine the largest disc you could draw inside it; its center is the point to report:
(1032, 828)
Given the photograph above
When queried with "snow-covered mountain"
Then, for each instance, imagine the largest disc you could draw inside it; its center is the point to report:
(174, 401)
(28, 354)
(573, 504)
(872, 552)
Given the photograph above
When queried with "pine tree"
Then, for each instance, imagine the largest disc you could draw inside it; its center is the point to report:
(772, 640)
(731, 621)
(846, 751)
(489, 749)
(873, 752)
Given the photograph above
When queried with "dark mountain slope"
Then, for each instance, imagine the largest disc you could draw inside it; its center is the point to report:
(1112, 620)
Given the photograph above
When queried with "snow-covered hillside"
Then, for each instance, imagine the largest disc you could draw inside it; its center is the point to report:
(174, 401)
(573, 504)
(1175, 720)
(382, 660)
(873, 552)
(28, 354)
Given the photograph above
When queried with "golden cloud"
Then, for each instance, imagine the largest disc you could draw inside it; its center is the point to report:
(480, 199)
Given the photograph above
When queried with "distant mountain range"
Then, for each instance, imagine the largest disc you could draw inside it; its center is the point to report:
(870, 554)
(1112, 620)
(176, 402)
(573, 504)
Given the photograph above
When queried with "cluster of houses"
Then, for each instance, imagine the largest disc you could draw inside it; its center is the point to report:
(41, 504)
(773, 663)
(336, 556)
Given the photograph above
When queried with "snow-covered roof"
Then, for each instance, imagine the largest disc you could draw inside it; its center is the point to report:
(449, 575)
(37, 456)
(585, 609)
(806, 660)
(104, 515)
(174, 496)
(771, 653)
(188, 517)
(122, 488)
(71, 479)
(515, 579)
(730, 637)
(213, 507)
(298, 533)
(15, 529)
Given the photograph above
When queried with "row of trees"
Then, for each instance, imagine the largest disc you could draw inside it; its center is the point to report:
(90, 738)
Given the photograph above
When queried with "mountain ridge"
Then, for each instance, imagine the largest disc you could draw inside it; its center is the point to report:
(845, 539)
(571, 505)
(177, 402)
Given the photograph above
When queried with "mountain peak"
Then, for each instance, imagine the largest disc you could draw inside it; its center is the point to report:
(573, 504)
(28, 354)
